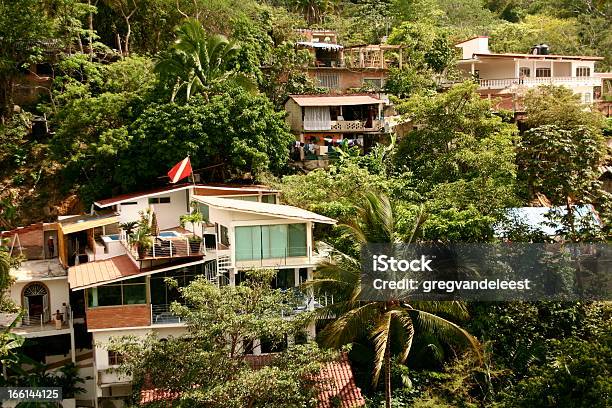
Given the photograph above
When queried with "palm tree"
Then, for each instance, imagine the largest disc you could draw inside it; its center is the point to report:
(198, 62)
(381, 321)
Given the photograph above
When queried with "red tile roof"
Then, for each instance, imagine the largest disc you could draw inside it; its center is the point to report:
(336, 385)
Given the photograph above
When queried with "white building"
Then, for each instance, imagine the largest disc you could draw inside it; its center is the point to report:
(125, 294)
(510, 73)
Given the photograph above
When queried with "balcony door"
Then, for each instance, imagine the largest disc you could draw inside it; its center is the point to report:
(36, 302)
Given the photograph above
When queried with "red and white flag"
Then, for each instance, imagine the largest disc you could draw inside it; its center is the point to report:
(180, 170)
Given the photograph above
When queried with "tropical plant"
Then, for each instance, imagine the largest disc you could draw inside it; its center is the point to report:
(384, 322)
(199, 62)
(128, 227)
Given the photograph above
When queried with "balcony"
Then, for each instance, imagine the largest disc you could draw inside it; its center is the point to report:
(531, 82)
(168, 246)
(355, 125)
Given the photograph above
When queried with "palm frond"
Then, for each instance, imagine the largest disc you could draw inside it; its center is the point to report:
(350, 325)
(445, 330)
(454, 308)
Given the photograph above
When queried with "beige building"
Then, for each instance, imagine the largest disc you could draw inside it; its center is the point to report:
(507, 75)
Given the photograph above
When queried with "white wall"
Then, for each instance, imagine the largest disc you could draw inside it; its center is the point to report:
(478, 45)
(167, 214)
(58, 292)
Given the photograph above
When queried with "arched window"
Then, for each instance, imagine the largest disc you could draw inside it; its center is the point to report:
(35, 289)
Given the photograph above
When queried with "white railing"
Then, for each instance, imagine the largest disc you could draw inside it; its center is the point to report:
(507, 82)
(356, 125)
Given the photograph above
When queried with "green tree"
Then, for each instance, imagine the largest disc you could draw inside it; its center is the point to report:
(198, 62)
(210, 362)
(395, 320)
(24, 27)
(463, 152)
(560, 106)
(562, 152)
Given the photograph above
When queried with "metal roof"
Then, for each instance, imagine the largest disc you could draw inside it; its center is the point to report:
(323, 45)
(184, 186)
(270, 210)
(332, 100)
(97, 272)
(85, 222)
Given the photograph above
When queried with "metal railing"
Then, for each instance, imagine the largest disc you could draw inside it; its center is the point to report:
(161, 314)
(166, 248)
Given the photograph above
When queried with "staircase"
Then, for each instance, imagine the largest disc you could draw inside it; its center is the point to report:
(215, 271)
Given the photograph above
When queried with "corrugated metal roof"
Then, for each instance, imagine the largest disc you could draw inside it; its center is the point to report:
(538, 218)
(270, 210)
(98, 272)
(323, 45)
(332, 100)
(85, 222)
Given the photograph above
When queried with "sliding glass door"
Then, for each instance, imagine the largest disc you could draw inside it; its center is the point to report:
(270, 241)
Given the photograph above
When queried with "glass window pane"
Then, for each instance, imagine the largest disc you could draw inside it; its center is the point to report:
(134, 294)
(274, 241)
(268, 198)
(297, 240)
(109, 295)
(244, 243)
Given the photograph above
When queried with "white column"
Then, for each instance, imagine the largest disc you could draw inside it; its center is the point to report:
(516, 68)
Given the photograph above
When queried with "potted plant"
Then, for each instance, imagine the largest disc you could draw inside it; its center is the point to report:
(143, 241)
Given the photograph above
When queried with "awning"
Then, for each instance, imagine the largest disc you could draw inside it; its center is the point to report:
(321, 45)
(312, 100)
(99, 272)
(270, 210)
(85, 222)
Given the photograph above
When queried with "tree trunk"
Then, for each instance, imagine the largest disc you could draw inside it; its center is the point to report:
(388, 374)
(90, 23)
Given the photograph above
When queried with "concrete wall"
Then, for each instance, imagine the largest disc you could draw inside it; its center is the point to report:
(58, 292)
(478, 45)
(294, 116)
(167, 214)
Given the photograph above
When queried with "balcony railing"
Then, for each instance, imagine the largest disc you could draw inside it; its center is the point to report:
(356, 125)
(507, 82)
(166, 248)
(161, 314)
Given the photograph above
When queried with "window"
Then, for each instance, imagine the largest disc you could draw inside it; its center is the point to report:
(224, 235)
(542, 72)
(129, 203)
(586, 97)
(114, 358)
(159, 200)
(328, 80)
(253, 198)
(129, 292)
(583, 71)
(524, 72)
(204, 210)
(285, 279)
(268, 198)
(270, 241)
